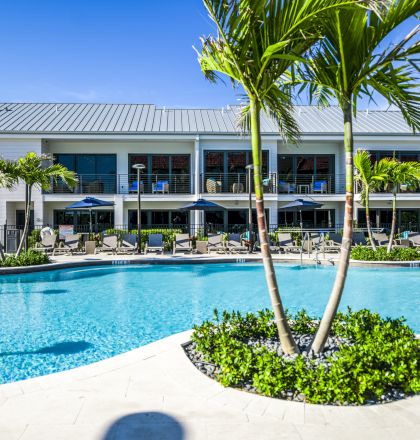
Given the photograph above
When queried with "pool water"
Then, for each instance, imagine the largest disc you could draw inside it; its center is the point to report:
(54, 321)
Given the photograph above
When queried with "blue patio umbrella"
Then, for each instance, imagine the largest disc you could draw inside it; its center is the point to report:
(300, 205)
(203, 205)
(89, 203)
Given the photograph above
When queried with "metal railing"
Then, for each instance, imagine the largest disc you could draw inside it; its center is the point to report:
(155, 184)
(311, 184)
(87, 184)
(234, 183)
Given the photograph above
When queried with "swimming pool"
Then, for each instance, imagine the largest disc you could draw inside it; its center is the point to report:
(57, 320)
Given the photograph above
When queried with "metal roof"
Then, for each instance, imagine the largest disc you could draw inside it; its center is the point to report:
(53, 118)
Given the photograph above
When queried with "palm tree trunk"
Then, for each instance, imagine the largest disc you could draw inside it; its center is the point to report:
(27, 220)
(369, 229)
(340, 278)
(2, 256)
(394, 221)
(285, 335)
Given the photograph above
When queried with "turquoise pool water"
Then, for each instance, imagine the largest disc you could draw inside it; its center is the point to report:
(54, 321)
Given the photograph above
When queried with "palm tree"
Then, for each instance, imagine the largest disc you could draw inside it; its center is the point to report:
(397, 174)
(8, 179)
(348, 63)
(32, 171)
(257, 42)
(369, 176)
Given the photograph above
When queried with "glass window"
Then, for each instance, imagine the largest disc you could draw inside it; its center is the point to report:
(180, 164)
(323, 165)
(305, 165)
(237, 217)
(285, 165)
(160, 165)
(213, 162)
(159, 218)
(237, 161)
(214, 217)
(179, 217)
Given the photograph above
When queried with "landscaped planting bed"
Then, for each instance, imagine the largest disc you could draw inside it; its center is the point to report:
(26, 258)
(365, 253)
(367, 359)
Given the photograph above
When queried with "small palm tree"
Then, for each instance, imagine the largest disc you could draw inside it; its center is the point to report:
(348, 63)
(34, 170)
(8, 179)
(370, 177)
(397, 174)
(257, 42)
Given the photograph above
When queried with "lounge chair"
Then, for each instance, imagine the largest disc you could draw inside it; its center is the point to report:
(216, 243)
(71, 244)
(332, 244)
(272, 244)
(381, 239)
(234, 243)
(286, 243)
(414, 238)
(109, 244)
(47, 244)
(154, 243)
(182, 243)
(128, 244)
(359, 238)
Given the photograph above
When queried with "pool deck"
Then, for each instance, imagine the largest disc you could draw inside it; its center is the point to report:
(154, 392)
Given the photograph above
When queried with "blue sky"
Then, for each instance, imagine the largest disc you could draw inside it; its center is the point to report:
(108, 51)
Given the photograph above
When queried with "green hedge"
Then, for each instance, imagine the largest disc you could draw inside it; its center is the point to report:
(397, 254)
(383, 355)
(26, 258)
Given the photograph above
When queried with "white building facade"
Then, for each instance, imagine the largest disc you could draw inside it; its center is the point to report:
(193, 153)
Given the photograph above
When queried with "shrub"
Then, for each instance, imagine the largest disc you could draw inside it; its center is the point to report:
(397, 254)
(381, 356)
(26, 258)
(34, 237)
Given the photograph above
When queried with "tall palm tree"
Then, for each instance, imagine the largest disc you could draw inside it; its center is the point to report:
(397, 174)
(257, 42)
(369, 176)
(348, 63)
(8, 179)
(34, 170)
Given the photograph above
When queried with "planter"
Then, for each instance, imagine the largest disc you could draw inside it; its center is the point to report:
(90, 247)
(201, 247)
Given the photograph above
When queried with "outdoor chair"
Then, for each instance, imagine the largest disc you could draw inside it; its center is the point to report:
(286, 243)
(47, 244)
(414, 238)
(286, 187)
(133, 187)
(320, 186)
(154, 243)
(381, 239)
(333, 244)
(109, 244)
(213, 185)
(128, 244)
(216, 243)
(359, 238)
(71, 245)
(234, 243)
(272, 244)
(161, 186)
(182, 243)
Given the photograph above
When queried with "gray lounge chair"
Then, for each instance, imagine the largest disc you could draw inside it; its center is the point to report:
(234, 243)
(128, 244)
(70, 246)
(359, 238)
(216, 243)
(273, 246)
(332, 244)
(414, 238)
(381, 239)
(182, 243)
(286, 243)
(154, 243)
(47, 244)
(109, 244)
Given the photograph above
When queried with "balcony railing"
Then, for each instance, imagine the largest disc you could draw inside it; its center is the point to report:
(234, 183)
(311, 184)
(126, 184)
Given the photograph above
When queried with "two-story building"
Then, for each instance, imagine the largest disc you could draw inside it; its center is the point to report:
(192, 153)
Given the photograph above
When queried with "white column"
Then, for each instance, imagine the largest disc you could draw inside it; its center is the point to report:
(38, 204)
(118, 210)
(272, 213)
(196, 214)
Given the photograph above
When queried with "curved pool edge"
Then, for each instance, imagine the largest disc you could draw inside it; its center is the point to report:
(160, 377)
(191, 260)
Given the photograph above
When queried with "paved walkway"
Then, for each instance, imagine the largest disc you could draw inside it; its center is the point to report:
(154, 393)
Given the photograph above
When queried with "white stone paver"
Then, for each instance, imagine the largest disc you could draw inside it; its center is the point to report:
(154, 392)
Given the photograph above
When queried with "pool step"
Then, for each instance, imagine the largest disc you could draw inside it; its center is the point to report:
(120, 262)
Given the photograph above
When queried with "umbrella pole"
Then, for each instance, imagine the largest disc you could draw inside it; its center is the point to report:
(90, 220)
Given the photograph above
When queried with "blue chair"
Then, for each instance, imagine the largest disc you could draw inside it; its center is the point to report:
(161, 186)
(133, 186)
(320, 186)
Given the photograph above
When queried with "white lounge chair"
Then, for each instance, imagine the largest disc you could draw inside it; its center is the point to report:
(286, 243)
(70, 246)
(216, 243)
(182, 243)
(47, 244)
(109, 244)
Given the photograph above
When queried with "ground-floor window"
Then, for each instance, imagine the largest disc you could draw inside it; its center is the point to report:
(101, 219)
(408, 219)
(316, 218)
(158, 218)
(20, 218)
(230, 220)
